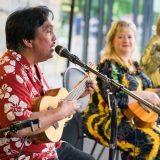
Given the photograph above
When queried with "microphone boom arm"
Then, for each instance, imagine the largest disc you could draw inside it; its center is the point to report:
(119, 86)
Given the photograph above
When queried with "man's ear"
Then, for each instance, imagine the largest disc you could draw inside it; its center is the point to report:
(27, 43)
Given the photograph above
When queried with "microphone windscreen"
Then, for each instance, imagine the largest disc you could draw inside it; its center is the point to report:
(63, 52)
(58, 48)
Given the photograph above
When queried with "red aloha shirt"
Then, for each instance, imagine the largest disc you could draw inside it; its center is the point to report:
(18, 85)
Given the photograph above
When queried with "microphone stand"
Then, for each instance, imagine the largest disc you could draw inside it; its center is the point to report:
(74, 59)
(112, 104)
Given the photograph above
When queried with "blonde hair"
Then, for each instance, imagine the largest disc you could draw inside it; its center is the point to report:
(109, 51)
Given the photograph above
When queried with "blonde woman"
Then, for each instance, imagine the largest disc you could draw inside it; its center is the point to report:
(150, 59)
(135, 140)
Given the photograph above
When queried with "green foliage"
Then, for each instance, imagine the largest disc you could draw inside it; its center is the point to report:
(122, 7)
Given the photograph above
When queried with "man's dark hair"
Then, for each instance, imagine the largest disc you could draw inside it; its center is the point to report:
(22, 24)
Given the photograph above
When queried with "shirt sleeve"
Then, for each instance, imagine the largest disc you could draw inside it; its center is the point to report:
(15, 98)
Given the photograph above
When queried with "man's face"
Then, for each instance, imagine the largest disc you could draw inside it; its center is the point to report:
(43, 44)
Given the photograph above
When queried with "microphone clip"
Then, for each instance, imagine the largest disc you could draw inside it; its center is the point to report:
(14, 127)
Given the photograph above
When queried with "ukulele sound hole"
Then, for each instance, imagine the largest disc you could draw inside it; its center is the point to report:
(55, 125)
(50, 108)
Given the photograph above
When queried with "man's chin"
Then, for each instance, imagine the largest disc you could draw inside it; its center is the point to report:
(52, 50)
(51, 53)
(50, 56)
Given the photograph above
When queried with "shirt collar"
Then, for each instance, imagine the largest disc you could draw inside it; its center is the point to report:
(20, 59)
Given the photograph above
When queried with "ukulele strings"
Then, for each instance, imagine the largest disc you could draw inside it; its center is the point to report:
(77, 91)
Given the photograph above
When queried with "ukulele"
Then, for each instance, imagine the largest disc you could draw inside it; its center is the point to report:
(50, 101)
(141, 115)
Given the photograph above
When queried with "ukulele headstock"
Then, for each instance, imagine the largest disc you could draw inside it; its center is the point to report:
(91, 74)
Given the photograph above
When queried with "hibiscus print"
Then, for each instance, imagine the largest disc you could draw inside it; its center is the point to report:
(17, 56)
(25, 77)
(36, 155)
(33, 92)
(23, 157)
(50, 149)
(19, 141)
(15, 108)
(5, 59)
(11, 67)
(19, 79)
(5, 91)
(25, 67)
(7, 150)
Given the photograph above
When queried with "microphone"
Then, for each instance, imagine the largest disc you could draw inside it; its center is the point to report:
(63, 52)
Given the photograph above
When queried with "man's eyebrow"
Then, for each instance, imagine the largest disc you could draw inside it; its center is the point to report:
(48, 26)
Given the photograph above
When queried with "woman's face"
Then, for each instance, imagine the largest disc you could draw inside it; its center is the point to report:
(124, 41)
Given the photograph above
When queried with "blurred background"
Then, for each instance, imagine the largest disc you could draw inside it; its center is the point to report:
(81, 26)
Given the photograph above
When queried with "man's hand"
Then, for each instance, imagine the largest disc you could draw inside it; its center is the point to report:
(90, 87)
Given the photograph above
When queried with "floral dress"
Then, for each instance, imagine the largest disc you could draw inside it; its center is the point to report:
(18, 86)
(134, 142)
(150, 61)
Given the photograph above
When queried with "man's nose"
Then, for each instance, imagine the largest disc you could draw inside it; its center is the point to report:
(54, 38)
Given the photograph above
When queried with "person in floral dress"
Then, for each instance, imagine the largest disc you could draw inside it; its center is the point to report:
(150, 60)
(30, 39)
(135, 139)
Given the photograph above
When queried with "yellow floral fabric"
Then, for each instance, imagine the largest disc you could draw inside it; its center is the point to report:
(134, 142)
